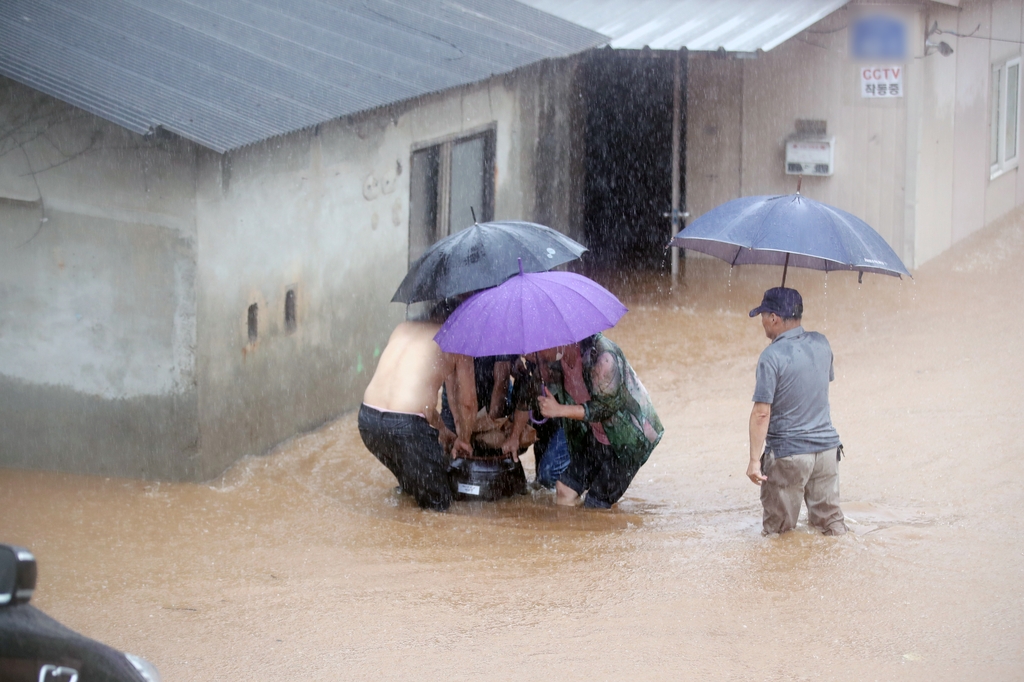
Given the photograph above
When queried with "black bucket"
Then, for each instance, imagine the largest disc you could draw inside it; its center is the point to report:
(486, 479)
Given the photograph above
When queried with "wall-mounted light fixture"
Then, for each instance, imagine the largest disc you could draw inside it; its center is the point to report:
(930, 46)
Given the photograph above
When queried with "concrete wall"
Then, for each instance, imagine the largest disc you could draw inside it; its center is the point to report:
(916, 168)
(128, 265)
(292, 213)
(937, 101)
(548, 138)
(1003, 193)
(956, 194)
(971, 167)
(811, 77)
(714, 124)
(741, 111)
(97, 270)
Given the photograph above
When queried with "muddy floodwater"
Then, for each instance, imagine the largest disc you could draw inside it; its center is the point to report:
(304, 564)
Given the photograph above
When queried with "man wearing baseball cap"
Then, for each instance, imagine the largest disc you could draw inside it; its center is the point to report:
(794, 449)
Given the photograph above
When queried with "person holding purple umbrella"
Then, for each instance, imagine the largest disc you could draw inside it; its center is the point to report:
(555, 320)
(609, 421)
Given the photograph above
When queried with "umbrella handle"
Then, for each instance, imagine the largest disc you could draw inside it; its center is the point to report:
(535, 421)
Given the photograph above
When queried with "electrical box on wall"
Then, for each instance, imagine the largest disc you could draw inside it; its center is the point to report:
(810, 156)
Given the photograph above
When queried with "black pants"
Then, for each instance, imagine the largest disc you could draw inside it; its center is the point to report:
(599, 472)
(407, 445)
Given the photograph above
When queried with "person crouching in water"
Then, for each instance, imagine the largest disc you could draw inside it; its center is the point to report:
(398, 419)
(609, 421)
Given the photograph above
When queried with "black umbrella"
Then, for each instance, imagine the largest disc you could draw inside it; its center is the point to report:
(483, 256)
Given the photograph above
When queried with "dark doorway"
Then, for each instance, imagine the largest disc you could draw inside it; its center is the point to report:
(628, 187)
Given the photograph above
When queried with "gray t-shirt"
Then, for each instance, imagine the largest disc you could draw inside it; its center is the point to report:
(793, 373)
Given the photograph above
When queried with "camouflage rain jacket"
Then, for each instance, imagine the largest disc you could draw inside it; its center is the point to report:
(618, 401)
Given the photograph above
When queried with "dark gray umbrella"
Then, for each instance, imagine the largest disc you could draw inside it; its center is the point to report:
(790, 230)
(484, 256)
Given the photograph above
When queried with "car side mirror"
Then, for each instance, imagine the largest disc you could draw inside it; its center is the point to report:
(17, 575)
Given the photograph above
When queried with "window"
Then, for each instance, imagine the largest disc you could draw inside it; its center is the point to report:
(289, 311)
(447, 181)
(252, 323)
(1004, 124)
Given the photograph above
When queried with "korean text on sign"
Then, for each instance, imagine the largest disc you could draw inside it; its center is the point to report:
(881, 81)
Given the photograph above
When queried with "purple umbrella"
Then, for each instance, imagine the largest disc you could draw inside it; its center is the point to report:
(530, 312)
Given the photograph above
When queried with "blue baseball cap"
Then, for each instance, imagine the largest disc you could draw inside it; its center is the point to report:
(783, 302)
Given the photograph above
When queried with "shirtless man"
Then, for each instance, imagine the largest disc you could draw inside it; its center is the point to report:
(398, 419)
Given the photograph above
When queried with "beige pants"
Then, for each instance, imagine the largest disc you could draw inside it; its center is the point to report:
(813, 478)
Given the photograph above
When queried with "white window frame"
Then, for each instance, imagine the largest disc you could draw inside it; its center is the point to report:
(1003, 161)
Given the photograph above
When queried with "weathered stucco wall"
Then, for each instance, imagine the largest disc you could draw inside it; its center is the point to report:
(951, 191)
(325, 212)
(1003, 194)
(129, 266)
(936, 147)
(741, 112)
(714, 125)
(549, 141)
(956, 194)
(916, 168)
(812, 77)
(971, 144)
(97, 324)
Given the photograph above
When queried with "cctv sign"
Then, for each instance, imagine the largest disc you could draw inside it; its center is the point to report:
(881, 81)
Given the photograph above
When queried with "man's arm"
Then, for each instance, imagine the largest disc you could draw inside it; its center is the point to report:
(444, 436)
(549, 407)
(511, 445)
(499, 395)
(759, 417)
(463, 402)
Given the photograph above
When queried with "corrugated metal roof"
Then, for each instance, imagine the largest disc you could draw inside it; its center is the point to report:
(734, 25)
(227, 73)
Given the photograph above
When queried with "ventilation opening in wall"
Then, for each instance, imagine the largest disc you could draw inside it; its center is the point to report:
(289, 311)
(254, 317)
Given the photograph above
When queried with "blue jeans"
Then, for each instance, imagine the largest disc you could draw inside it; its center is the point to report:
(552, 451)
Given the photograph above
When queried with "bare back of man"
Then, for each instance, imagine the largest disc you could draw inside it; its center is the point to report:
(410, 372)
(398, 420)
